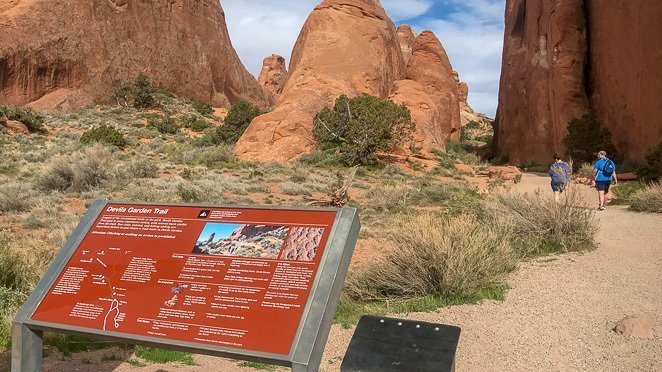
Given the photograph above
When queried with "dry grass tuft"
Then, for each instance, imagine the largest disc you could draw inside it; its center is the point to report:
(436, 255)
(648, 199)
(541, 225)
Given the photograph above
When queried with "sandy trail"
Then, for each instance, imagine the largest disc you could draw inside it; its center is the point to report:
(557, 315)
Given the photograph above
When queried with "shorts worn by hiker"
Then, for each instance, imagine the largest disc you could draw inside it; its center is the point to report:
(603, 185)
(558, 186)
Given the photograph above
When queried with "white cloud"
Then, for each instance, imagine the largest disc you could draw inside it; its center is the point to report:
(472, 35)
(400, 10)
(473, 38)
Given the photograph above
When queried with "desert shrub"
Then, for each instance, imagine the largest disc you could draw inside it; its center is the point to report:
(652, 168)
(141, 168)
(625, 190)
(291, 188)
(93, 167)
(362, 126)
(106, 134)
(648, 199)
(434, 254)
(389, 196)
(18, 274)
(81, 171)
(239, 117)
(212, 156)
(15, 197)
(541, 225)
(586, 137)
(122, 94)
(194, 122)
(321, 158)
(57, 174)
(189, 193)
(34, 121)
(585, 170)
(202, 108)
(164, 124)
(299, 174)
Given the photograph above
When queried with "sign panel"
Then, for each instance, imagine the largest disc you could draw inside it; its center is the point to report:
(235, 278)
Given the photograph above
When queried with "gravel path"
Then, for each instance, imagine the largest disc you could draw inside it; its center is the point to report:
(558, 315)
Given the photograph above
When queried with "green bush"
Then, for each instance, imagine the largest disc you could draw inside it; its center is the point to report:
(34, 121)
(202, 108)
(586, 137)
(106, 134)
(139, 94)
(652, 169)
(194, 122)
(362, 126)
(143, 93)
(239, 117)
(624, 191)
(164, 124)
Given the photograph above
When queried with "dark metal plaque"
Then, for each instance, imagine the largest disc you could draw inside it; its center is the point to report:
(388, 344)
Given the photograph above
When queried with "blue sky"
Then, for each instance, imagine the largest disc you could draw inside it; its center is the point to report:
(222, 230)
(470, 30)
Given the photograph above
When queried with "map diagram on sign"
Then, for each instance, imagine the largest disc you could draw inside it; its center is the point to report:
(102, 276)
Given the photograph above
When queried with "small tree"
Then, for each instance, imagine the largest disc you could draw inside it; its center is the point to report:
(143, 93)
(202, 108)
(586, 137)
(105, 134)
(360, 127)
(239, 117)
(652, 169)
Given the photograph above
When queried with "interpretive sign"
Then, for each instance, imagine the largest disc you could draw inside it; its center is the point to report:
(249, 283)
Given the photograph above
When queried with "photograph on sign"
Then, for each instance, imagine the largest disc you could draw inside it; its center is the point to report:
(234, 278)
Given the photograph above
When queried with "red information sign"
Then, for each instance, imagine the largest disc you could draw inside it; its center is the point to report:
(236, 278)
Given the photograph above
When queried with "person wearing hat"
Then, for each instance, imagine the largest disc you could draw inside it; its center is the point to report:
(604, 172)
(560, 172)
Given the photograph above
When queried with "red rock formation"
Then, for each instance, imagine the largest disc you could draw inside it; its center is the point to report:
(71, 53)
(542, 81)
(273, 74)
(431, 68)
(406, 38)
(462, 92)
(345, 47)
(550, 76)
(625, 74)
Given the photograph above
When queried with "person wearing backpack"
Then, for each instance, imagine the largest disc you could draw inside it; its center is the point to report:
(604, 172)
(560, 173)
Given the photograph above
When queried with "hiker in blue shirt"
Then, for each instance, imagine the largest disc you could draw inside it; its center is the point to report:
(560, 173)
(604, 172)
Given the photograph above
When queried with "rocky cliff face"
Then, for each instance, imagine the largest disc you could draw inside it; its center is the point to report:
(273, 74)
(345, 46)
(65, 54)
(562, 58)
(430, 91)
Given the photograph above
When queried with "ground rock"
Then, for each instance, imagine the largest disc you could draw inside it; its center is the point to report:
(635, 327)
(68, 54)
(627, 176)
(273, 74)
(564, 58)
(16, 127)
(508, 173)
(345, 47)
(463, 168)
